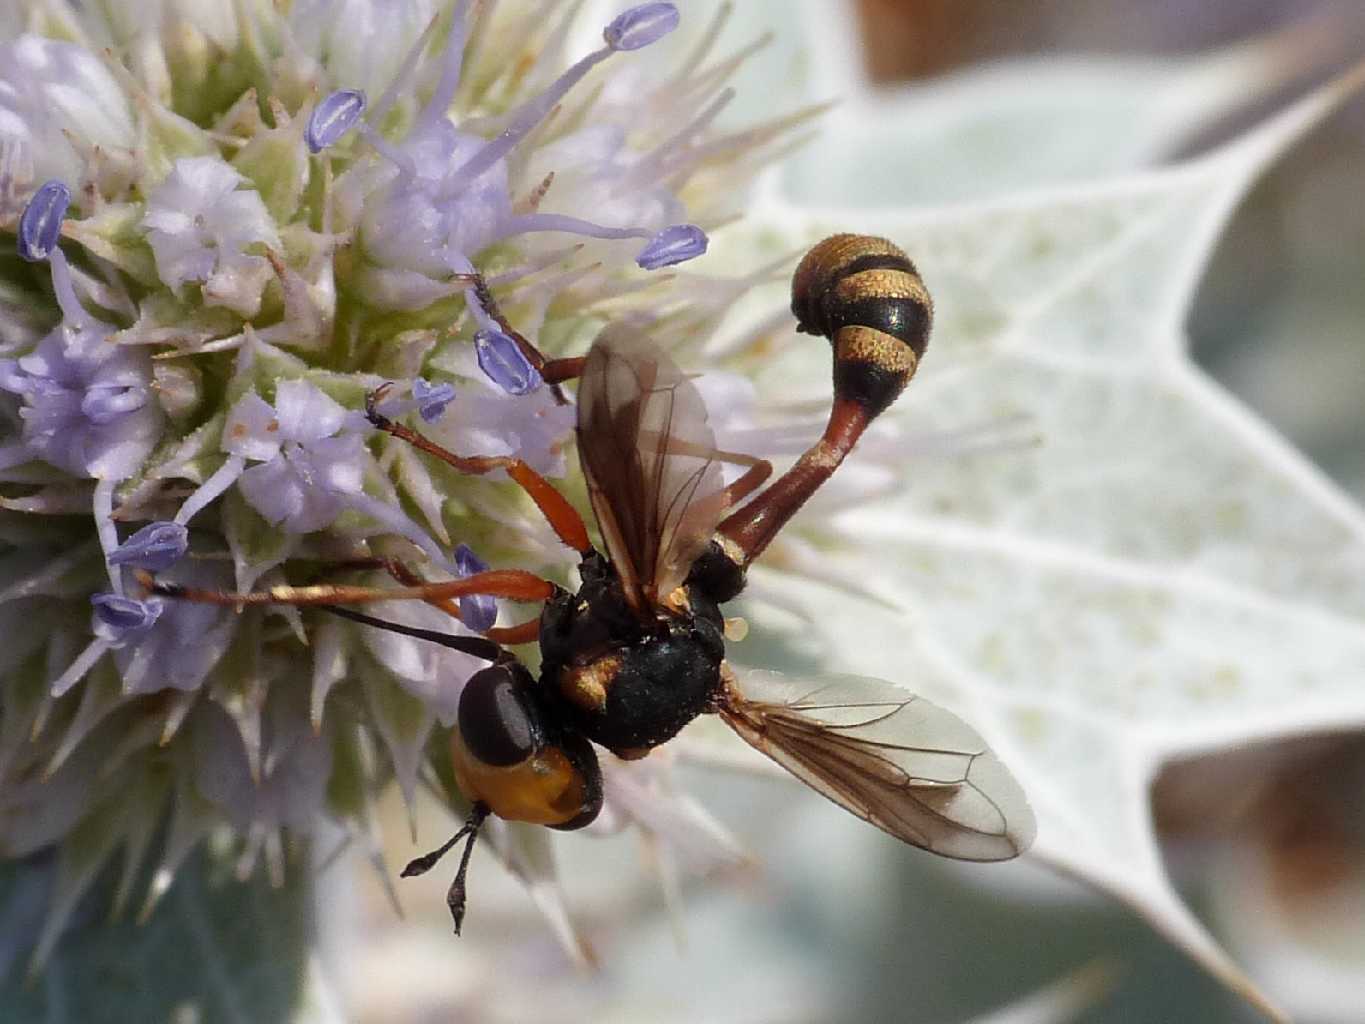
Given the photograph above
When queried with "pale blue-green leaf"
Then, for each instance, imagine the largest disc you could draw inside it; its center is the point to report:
(1156, 573)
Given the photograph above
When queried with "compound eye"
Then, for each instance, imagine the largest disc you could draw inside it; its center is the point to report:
(498, 717)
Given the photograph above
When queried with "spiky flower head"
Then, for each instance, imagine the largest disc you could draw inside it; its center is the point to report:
(232, 227)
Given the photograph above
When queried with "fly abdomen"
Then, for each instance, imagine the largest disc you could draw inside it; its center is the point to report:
(865, 295)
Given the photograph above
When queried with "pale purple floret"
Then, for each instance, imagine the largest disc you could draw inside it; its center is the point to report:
(121, 620)
(333, 117)
(432, 399)
(155, 547)
(487, 420)
(640, 26)
(88, 405)
(443, 193)
(299, 463)
(200, 223)
(417, 221)
(40, 225)
(676, 244)
(308, 464)
(502, 361)
(188, 639)
(478, 611)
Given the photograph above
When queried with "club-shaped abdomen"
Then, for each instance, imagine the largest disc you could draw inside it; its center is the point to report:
(865, 295)
(508, 754)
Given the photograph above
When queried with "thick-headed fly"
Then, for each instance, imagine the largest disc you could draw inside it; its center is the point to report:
(639, 650)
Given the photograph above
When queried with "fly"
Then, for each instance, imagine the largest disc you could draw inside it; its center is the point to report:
(638, 651)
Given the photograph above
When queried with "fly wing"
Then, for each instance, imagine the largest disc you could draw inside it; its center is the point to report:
(650, 461)
(892, 758)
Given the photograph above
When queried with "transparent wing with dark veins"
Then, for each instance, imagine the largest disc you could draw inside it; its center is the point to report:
(650, 461)
(892, 758)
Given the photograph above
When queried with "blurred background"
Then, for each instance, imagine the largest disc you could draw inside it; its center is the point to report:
(1279, 317)
(1266, 846)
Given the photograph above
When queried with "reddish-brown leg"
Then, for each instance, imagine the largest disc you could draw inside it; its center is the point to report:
(747, 483)
(750, 480)
(562, 516)
(556, 371)
(752, 528)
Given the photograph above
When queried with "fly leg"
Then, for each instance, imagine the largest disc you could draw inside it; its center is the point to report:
(562, 516)
(522, 633)
(455, 897)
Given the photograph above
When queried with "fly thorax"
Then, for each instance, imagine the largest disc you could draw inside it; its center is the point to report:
(635, 697)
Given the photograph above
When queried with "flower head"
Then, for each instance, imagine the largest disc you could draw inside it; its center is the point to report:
(62, 105)
(236, 260)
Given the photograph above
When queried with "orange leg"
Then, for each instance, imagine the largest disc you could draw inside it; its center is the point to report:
(522, 633)
(405, 576)
(758, 469)
(753, 527)
(561, 516)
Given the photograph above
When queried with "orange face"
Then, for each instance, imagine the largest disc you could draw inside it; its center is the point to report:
(543, 789)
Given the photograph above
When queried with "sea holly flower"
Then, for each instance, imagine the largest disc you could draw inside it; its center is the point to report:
(123, 620)
(496, 414)
(672, 245)
(504, 364)
(88, 406)
(234, 236)
(156, 547)
(640, 26)
(40, 225)
(432, 399)
(478, 612)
